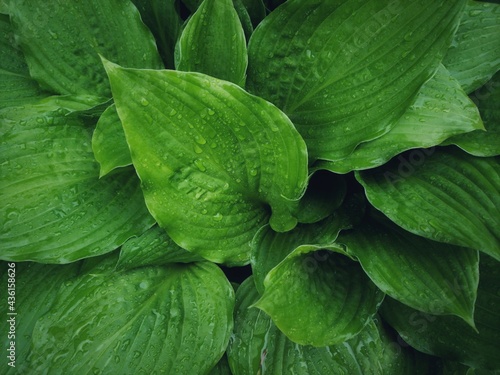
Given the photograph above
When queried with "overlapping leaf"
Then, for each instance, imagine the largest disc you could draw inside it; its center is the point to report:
(474, 55)
(449, 337)
(321, 299)
(55, 208)
(144, 321)
(154, 247)
(16, 85)
(211, 157)
(62, 42)
(213, 42)
(258, 346)
(441, 110)
(483, 143)
(345, 71)
(36, 286)
(443, 194)
(108, 142)
(164, 20)
(430, 276)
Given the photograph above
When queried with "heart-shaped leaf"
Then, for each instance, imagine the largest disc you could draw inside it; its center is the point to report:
(56, 209)
(440, 110)
(213, 42)
(430, 276)
(319, 301)
(62, 42)
(212, 158)
(175, 319)
(474, 55)
(443, 194)
(450, 337)
(259, 347)
(35, 288)
(346, 71)
(153, 248)
(109, 144)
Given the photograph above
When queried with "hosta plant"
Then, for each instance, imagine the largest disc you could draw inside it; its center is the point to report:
(249, 187)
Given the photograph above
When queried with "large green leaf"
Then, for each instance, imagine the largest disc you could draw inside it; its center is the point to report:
(163, 19)
(430, 276)
(154, 247)
(175, 319)
(450, 337)
(259, 347)
(478, 142)
(16, 85)
(346, 71)
(319, 299)
(213, 42)
(440, 110)
(211, 157)
(474, 55)
(54, 207)
(62, 40)
(108, 142)
(36, 286)
(443, 194)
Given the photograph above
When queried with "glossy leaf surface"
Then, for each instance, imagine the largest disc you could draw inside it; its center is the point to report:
(143, 321)
(474, 55)
(440, 110)
(55, 208)
(346, 71)
(62, 42)
(430, 276)
(322, 301)
(258, 346)
(211, 157)
(213, 42)
(442, 194)
(450, 337)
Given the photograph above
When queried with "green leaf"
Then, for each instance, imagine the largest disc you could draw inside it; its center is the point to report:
(211, 157)
(269, 248)
(441, 194)
(62, 42)
(319, 298)
(256, 10)
(213, 42)
(429, 276)
(54, 207)
(175, 319)
(346, 71)
(153, 248)
(474, 55)
(259, 347)
(440, 110)
(109, 144)
(450, 337)
(16, 85)
(480, 143)
(163, 19)
(36, 286)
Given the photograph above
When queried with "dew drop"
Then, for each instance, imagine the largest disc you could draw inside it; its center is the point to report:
(218, 217)
(144, 102)
(211, 112)
(198, 149)
(173, 112)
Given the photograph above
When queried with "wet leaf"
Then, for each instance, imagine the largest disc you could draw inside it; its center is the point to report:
(343, 75)
(442, 194)
(143, 321)
(54, 207)
(211, 157)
